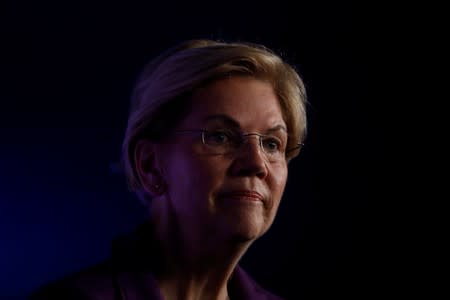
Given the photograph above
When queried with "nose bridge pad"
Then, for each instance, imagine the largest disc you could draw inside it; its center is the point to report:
(252, 160)
(246, 137)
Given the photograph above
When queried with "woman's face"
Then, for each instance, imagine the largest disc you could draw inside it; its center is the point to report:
(233, 195)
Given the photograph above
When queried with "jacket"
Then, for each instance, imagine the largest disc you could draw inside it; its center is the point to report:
(128, 275)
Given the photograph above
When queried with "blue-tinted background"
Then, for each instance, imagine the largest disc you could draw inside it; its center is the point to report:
(66, 73)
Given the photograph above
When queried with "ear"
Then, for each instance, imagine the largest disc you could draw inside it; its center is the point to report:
(147, 168)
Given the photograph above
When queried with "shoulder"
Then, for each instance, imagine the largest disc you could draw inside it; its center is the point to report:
(128, 271)
(96, 282)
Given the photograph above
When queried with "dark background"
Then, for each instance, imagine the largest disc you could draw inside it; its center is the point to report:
(67, 68)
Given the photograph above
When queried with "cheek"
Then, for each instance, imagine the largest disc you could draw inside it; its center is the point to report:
(278, 183)
(192, 178)
(210, 174)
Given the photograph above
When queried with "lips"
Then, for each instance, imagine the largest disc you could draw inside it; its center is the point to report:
(243, 195)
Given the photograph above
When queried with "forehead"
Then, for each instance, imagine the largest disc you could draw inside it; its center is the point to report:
(248, 101)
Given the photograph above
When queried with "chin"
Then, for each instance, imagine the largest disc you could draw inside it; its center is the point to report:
(243, 222)
(246, 229)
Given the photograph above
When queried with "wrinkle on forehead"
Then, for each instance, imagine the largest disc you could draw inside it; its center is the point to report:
(238, 102)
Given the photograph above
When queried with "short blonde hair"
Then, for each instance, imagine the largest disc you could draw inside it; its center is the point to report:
(160, 98)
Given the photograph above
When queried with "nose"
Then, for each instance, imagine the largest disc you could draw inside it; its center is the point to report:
(250, 159)
(256, 136)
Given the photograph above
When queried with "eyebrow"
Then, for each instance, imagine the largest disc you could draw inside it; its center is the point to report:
(233, 123)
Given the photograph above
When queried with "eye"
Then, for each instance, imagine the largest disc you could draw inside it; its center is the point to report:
(272, 144)
(217, 137)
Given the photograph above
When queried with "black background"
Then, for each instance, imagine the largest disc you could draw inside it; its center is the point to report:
(66, 73)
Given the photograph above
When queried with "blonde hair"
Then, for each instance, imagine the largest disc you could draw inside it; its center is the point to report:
(161, 93)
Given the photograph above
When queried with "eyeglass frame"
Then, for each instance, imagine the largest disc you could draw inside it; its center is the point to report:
(243, 136)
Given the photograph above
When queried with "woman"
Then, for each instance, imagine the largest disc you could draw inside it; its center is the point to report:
(211, 130)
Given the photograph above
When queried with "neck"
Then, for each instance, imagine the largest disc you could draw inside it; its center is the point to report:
(195, 264)
(183, 290)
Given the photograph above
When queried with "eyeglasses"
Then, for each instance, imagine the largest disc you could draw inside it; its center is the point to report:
(225, 141)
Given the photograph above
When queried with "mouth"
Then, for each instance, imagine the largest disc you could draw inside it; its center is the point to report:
(243, 196)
